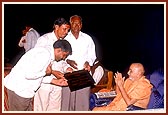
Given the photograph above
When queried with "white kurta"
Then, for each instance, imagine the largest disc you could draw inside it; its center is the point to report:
(83, 49)
(26, 76)
(31, 38)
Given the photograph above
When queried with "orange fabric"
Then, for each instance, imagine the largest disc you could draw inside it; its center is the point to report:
(104, 90)
(139, 90)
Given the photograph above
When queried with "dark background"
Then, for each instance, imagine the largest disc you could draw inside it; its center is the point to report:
(123, 33)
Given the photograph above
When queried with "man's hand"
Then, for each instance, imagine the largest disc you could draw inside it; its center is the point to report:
(24, 41)
(69, 69)
(57, 74)
(59, 82)
(49, 70)
(72, 63)
(87, 66)
(119, 80)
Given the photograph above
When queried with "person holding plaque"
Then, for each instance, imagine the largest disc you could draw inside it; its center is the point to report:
(83, 56)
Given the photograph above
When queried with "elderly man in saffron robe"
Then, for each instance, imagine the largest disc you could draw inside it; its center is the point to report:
(135, 90)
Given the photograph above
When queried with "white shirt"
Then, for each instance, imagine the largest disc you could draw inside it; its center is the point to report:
(21, 44)
(59, 66)
(83, 49)
(31, 39)
(98, 73)
(47, 41)
(26, 76)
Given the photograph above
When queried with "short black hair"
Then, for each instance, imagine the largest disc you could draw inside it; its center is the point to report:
(64, 45)
(60, 21)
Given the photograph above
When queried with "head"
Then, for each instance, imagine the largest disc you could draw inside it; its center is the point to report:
(61, 27)
(76, 23)
(24, 32)
(28, 26)
(136, 71)
(62, 49)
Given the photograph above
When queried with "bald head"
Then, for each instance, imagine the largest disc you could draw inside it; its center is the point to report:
(136, 71)
(139, 67)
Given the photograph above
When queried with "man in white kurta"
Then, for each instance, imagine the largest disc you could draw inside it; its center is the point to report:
(84, 54)
(83, 50)
(48, 96)
(26, 76)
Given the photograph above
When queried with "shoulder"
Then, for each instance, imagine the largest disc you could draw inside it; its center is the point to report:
(69, 35)
(144, 83)
(42, 51)
(32, 29)
(46, 35)
(85, 35)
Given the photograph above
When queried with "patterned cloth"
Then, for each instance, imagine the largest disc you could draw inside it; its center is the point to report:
(156, 100)
(157, 95)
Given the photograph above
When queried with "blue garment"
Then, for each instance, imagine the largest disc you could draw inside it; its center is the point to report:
(157, 95)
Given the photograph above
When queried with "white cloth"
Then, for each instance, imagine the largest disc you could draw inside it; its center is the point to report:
(21, 44)
(98, 74)
(48, 96)
(46, 40)
(26, 76)
(83, 49)
(31, 38)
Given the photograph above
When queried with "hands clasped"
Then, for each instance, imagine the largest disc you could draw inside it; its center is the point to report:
(119, 80)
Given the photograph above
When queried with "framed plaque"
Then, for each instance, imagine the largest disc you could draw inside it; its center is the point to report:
(79, 79)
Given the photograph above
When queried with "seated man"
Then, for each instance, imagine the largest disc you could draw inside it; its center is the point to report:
(135, 90)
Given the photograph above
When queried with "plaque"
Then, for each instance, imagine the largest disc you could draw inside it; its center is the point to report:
(79, 79)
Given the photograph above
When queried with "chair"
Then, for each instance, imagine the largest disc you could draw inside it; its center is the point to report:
(106, 82)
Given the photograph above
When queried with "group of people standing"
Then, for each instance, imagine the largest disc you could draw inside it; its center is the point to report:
(37, 83)
(48, 94)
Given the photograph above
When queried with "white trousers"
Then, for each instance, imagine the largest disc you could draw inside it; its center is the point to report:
(48, 98)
